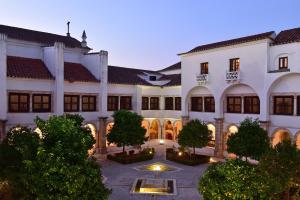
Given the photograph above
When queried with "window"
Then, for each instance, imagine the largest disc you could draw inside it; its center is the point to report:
(18, 102)
(145, 103)
(209, 104)
(283, 63)
(204, 68)
(125, 103)
(112, 103)
(88, 103)
(298, 105)
(41, 103)
(283, 105)
(169, 103)
(197, 104)
(154, 103)
(71, 103)
(234, 64)
(152, 78)
(251, 105)
(234, 104)
(177, 103)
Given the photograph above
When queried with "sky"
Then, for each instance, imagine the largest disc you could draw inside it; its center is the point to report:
(149, 34)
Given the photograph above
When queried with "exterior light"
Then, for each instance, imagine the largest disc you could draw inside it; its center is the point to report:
(161, 142)
(212, 160)
(179, 153)
(150, 152)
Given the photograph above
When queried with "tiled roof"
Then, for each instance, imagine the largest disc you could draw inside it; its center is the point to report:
(225, 43)
(77, 72)
(172, 67)
(19, 67)
(175, 79)
(39, 37)
(288, 36)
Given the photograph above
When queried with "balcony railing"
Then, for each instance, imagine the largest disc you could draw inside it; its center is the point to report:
(232, 75)
(202, 78)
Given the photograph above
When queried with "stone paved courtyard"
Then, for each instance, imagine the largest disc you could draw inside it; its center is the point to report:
(120, 177)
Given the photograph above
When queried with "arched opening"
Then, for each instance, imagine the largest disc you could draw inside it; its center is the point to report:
(212, 130)
(168, 130)
(279, 136)
(177, 129)
(297, 140)
(92, 128)
(109, 126)
(232, 129)
(154, 129)
(145, 125)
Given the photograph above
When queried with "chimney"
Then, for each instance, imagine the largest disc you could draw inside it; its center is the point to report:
(68, 33)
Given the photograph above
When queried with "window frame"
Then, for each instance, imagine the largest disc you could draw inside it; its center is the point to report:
(195, 108)
(282, 64)
(41, 110)
(284, 97)
(155, 105)
(209, 104)
(94, 106)
(234, 65)
(124, 105)
(169, 103)
(71, 103)
(249, 109)
(204, 68)
(19, 103)
(145, 105)
(177, 101)
(234, 104)
(115, 104)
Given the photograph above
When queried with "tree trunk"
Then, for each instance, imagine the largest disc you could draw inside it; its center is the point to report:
(123, 148)
(194, 149)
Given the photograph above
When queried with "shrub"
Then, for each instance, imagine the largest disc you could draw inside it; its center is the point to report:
(185, 158)
(234, 180)
(124, 158)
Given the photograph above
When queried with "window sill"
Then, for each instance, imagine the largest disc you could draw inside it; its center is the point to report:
(279, 70)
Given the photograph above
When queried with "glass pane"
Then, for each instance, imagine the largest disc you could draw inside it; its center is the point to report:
(23, 98)
(14, 98)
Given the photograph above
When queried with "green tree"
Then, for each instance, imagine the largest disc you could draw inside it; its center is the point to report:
(282, 163)
(194, 134)
(127, 129)
(234, 180)
(250, 140)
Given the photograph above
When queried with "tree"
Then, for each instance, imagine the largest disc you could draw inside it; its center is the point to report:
(127, 129)
(282, 163)
(194, 134)
(234, 180)
(250, 140)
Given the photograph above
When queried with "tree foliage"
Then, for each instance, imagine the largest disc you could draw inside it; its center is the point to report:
(250, 140)
(127, 129)
(234, 180)
(194, 134)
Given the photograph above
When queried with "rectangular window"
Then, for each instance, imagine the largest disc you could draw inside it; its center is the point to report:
(283, 105)
(234, 104)
(298, 105)
(41, 103)
(112, 103)
(283, 63)
(18, 102)
(125, 103)
(204, 68)
(88, 103)
(145, 103)
(234, 64)
(71, 103)
(209, 104)
(197, 104)
(177, 103)
(154, 103)
(169, 105)
(251, 105)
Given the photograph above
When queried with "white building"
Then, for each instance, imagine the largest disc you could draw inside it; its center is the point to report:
(44, 74)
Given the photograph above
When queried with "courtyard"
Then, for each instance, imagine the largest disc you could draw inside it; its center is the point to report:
(120, 178)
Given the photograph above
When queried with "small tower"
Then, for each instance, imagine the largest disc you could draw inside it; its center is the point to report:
(83, 42)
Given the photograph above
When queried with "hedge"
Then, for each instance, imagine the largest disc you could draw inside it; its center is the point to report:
(124, 158)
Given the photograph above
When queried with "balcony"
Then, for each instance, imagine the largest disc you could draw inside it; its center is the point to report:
(232, 75)
(202, 78)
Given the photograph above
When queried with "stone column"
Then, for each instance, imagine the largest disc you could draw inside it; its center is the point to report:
(102, 105)
(185, 120)
(219, 142)
(3, 77)
(2, 129)
(101, 136)
(59, 78)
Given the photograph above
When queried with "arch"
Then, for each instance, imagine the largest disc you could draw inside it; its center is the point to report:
(154, 129)
(231, 129)
(279, 79)
(279, 135)
(93, 130)
(211, 127)
(297, 139)
(168, 130)
(146, 125)
(177, 128)
(109, 126)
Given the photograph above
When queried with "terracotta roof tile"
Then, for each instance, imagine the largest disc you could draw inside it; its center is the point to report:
(38, 36)
(232, 42)
(288, 36)
(77, 72)
(172, 67)
(19, 67)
